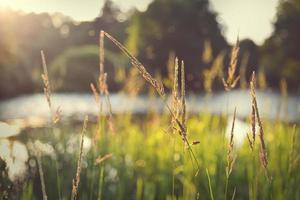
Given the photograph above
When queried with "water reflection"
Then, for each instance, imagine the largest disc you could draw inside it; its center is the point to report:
(240, 131)
(15, 154)
(33, 108)
(7, 130)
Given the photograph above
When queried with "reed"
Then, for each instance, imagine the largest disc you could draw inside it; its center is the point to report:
(76, 180)
(101, 159)
(183, 105)
(95, 93)
(55, 113)
(103, 87)
(158, 86)
(45, 77)
(253, 111)
(231, 80)
(144, 73)
(175, 97)
(147, 76)
(230, 154)
(263, 149)
(102, 84)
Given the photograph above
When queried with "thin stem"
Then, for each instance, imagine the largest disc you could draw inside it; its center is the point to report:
(39, 161)
(173, 175)
(58, 180)
(101, 182)
(209, 185)
(226, 186)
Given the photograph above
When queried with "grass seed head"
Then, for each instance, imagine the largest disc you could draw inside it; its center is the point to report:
(158, 86)
(231, 81)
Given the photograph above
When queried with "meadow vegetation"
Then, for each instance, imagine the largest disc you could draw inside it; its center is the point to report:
(169, 155)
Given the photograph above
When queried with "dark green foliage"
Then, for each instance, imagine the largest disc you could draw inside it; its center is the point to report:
(23, 36)
(280, 52)
(5, 183)
(179, 26)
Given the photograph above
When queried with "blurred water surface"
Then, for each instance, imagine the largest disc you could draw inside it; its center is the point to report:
(74, 106)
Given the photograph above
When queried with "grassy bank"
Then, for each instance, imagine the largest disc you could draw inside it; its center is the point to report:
(149, 163)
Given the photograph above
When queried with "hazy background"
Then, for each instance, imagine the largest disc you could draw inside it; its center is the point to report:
(197, 31)
(251, 19)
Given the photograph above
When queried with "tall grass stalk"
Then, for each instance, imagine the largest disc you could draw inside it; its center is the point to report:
(209, 185)
(158, 86)
(263, 149)
(230, 156)
(103, 87)
(54, 117)
(58, 183)
(42, 179)
(231, 80)
(101, 181)
(76, 180)
(292, 151)
(45, 77)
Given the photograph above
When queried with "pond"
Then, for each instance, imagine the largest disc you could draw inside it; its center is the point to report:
(33, 108)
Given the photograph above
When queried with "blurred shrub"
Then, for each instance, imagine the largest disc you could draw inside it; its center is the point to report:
(77, 67)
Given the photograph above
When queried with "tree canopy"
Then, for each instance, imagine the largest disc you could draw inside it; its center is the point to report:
(177, 26)
(280, 52)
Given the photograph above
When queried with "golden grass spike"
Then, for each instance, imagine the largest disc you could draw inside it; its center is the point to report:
(95, 93)
(158, 86)
(45, 77)
(175, 84)
(99, 105)
(101, 159)
(253, 112)
(233, 60)
(57, 115)
(231, 81)
(145, 74)
(263, 149)
(75, 182)
(108, 103)
(103, 87)
(183, 103)
(230, 157)
(102, 81)
(175, 97)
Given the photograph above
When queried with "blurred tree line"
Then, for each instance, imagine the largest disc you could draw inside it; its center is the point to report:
(187, 29)
(280, 55)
